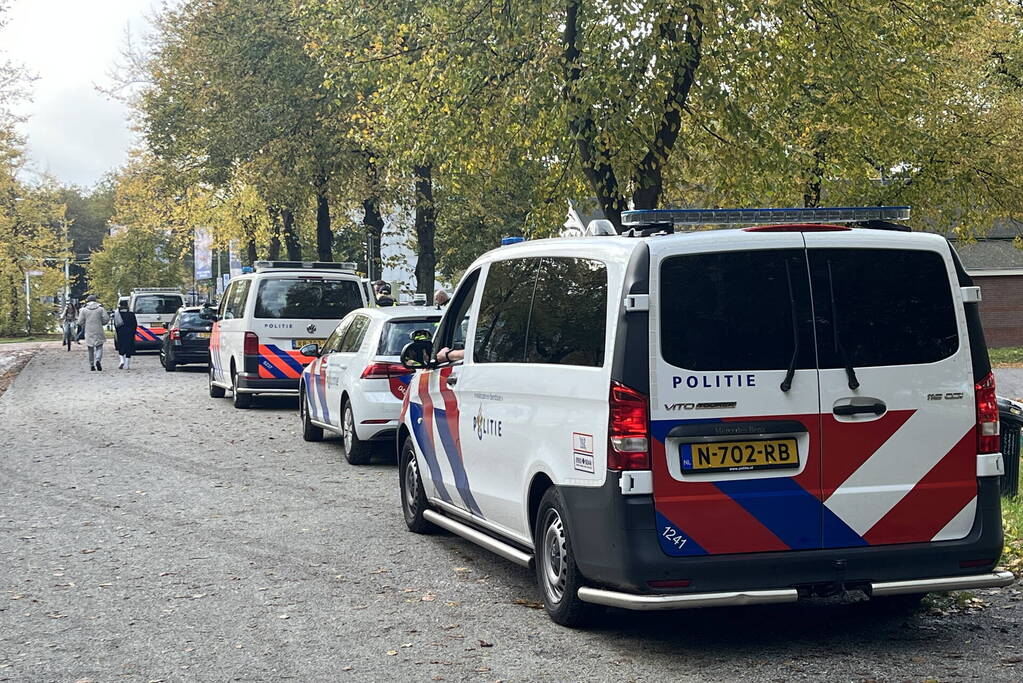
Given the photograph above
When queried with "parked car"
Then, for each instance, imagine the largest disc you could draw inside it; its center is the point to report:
(187, 339)
(153, 308)
(267, 316)
(719, 417)
(356, 385)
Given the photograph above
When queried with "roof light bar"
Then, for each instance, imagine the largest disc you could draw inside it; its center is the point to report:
(841, 214)
(303, 265)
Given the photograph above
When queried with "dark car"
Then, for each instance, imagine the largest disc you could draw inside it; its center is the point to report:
(187, 339)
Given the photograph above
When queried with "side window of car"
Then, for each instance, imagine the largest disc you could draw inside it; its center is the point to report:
(330, 345)
(222, 309)
(568, 317)
(455, 324)
(356, 333)
(241, 297)
(503, 319)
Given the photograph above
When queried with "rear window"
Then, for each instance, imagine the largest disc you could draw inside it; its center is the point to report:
(880, 307)
(308, 298)
(396, 334)
(736, 310)
(157, 304)
(191, 319)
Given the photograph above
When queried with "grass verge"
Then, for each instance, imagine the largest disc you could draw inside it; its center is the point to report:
(31, 338)
(1012, 522)
(1010, 355)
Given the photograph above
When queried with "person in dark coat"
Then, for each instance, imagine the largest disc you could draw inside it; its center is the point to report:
(125, 324)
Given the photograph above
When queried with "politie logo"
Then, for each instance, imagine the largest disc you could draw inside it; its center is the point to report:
(484, 426)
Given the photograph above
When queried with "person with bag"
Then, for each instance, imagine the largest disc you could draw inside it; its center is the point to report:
(125, 325)
(91, 319)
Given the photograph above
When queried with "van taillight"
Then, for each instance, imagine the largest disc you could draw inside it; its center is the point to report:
(628, 430)
(987, 416)
(383, 370)
(251, 344)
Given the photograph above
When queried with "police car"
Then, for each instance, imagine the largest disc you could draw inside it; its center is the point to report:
(266, 317)
(154, 307)
(356, 385)
(660, 420)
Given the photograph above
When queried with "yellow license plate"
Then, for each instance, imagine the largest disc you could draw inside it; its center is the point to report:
(299, 343)
(202, 335)
(739, 456)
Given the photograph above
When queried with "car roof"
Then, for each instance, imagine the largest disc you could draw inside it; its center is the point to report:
(401, 312)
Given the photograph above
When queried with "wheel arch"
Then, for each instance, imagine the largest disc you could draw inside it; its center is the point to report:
(400, 436)
(537, 487)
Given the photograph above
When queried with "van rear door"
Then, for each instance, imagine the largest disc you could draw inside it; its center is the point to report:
(897, 396)
(734, 405)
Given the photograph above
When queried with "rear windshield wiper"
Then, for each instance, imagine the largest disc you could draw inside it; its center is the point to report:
(850, 372)
(786, 383)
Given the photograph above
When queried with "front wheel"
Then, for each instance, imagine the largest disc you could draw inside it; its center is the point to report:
(357, 451)
(215, 391)
(556, 571)
(413, 497)
(310, 432)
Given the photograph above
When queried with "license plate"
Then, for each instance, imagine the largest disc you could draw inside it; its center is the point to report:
(299, 343)
(201, 335)
(739, 456)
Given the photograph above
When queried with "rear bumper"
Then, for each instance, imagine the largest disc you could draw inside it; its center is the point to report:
(616, 548)
(250, 384)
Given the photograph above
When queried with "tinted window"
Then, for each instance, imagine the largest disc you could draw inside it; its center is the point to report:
(455, 324)
(158, 303)
(734, 310)
(313, 298)
(355, 334)
(569, 313)
(882, 307)
(504, 311)
(396, 334)
(190, 319)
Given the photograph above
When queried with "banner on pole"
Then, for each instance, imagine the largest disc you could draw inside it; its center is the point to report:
(234, 259)
(203, 254)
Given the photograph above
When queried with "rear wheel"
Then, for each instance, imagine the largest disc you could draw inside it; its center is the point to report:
(215, 391)
(310, 432)
(357, 452)
(240, 400)
(556, 571)
(413, 497)
(169, 364)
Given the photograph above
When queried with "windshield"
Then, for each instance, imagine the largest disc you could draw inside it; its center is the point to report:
(396, 334)
(158, 303)
(307, 298)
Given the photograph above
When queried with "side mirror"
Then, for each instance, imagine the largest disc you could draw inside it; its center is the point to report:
(418, 353)
(311, 350)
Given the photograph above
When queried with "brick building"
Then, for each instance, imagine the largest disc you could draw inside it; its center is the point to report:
(996, 264)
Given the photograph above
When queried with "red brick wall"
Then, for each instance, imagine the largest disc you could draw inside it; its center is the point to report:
(1001, 310)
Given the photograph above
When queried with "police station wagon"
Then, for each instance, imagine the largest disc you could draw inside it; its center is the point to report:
(266, 317)
(661, 420)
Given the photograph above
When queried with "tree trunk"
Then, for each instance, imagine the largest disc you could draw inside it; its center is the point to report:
(815, 174)
(426, 228)
(373, 222)
(291, 243)
(274, 251)
(250, 252)
(324, 236)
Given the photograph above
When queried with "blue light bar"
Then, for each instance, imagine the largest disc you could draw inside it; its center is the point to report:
(841, 214)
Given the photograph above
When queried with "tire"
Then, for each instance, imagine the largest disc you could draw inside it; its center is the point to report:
(310, 432)
(240, 400)
(357, 452)
(557, 574)
(169, 363)
(215, 391)
(413, 496)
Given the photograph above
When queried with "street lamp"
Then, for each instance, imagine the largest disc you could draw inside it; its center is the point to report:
(28, 298)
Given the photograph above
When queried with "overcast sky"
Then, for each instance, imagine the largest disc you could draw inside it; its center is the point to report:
(73, 131)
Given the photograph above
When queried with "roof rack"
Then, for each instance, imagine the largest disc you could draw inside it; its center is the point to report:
(304, 265)
(841, 214)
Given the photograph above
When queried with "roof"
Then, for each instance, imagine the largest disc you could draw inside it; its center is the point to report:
(391, 312)
(994, 251)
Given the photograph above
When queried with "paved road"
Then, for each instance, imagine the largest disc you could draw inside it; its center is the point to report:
(148, 532)
(1009, 382)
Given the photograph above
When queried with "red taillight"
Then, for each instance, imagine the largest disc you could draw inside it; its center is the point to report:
(383, 370)
(251, 344)
(987, 416)
(175, 333)
(627, 430)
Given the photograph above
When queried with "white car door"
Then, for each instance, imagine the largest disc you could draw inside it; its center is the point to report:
(343, 362)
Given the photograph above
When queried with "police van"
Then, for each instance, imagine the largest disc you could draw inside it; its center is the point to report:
(799, 406)
(153, 307)
(267, 316)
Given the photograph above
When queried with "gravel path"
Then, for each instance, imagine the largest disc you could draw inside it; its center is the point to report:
(150, 533)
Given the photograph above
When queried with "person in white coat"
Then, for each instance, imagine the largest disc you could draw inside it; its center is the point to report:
(92, 318)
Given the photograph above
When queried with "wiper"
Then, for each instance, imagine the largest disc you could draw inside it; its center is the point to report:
(850, 372)
(786, 383)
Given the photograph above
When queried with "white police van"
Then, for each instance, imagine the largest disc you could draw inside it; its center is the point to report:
(153, 307)
(654, 420)
(267, 316)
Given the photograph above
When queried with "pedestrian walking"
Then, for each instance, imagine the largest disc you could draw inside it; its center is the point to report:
(92, 318)
(125, 324)
(384, 295)
(68, 321)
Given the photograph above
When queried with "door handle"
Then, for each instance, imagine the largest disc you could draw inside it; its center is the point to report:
(875, 408)
(452, 381)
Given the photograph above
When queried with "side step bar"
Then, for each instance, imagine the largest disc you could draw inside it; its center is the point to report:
(948, 583)
(635, 601)
(501, 548)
